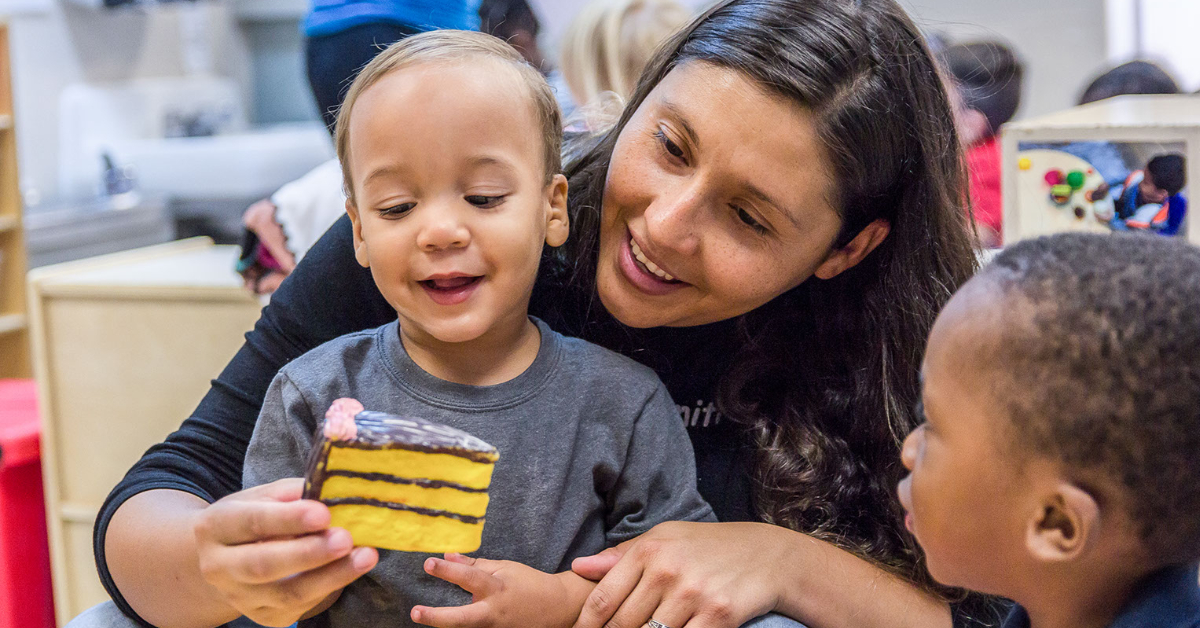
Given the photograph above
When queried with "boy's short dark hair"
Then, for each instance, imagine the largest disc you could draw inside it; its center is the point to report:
(988, 76)
(1134, 77)
(1168, 172)
(1098, 365)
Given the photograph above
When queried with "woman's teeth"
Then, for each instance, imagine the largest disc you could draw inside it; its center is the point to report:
(650, 266)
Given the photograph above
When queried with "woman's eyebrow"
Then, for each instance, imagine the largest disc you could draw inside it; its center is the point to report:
(677, 113)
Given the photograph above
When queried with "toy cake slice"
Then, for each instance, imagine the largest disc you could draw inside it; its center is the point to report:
(400, 483)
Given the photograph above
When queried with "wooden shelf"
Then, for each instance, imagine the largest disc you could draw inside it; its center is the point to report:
(12, 322)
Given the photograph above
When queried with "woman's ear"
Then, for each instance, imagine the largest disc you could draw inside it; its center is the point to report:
(558, 224)
(360, 245)
(847, 257)
(1063, 525)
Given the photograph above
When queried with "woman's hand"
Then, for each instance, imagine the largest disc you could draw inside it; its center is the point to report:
(504, 594)
(683, 575)
(273, 557)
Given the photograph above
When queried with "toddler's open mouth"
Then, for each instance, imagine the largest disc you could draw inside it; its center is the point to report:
(450, 290)
(448, 284)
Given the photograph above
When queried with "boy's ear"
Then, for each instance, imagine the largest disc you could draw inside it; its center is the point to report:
(848, 256)
(1064, 524)
(558, 224)
(360, 245)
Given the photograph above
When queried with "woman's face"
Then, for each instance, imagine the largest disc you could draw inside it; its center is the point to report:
(717, 201)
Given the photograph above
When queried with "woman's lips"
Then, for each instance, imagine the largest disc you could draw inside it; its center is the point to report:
(450, 290)
(640, 276)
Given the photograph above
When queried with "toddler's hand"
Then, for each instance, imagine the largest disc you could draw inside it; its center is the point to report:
(503, 594)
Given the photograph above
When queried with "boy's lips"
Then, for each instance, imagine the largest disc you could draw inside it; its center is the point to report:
(450, 288)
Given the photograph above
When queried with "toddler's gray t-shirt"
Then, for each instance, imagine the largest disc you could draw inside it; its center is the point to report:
(592, 453)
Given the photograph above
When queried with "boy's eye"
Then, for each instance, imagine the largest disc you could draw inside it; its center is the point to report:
(484, 201)
(397, 210)
(750, 221)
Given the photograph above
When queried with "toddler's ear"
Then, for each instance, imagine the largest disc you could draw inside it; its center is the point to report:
(1065, 523)
(558, 224)
(360, 245)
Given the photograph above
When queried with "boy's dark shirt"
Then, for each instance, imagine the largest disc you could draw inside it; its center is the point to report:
(1169, 598)
(330, 295)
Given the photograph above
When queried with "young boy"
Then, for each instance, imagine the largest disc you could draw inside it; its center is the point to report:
(1058, 463)
(449, 144)
(1150, 199)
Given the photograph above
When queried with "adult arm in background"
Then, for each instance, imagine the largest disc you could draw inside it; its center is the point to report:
(704, 575)
(147, 549)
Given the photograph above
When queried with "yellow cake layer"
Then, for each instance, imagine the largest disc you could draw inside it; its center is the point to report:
(445, 498)
(406, 531)
(412, 464)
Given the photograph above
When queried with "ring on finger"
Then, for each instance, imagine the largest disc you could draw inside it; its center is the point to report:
(654, 623)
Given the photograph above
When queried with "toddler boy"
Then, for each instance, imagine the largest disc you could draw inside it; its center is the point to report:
(1058, 463)
(449, 145)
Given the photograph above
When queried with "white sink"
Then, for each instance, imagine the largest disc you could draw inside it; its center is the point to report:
(129, 121)
(240, 165)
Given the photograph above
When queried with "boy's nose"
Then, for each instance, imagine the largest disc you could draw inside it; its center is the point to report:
(442, 230)
(908, 453)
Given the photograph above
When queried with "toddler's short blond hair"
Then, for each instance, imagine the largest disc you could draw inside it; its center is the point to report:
(451, 46)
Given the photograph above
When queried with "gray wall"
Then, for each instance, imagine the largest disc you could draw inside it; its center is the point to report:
(1063, 43)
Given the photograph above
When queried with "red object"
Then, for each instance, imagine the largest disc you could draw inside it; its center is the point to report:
(1054, 177)
(983, 166)
(25, 593)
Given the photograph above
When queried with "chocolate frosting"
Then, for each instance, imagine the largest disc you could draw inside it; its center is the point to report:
(380, 430)
(395, 479)
(363, 501)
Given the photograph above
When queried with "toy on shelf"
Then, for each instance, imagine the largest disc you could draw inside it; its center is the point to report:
(1115, 165)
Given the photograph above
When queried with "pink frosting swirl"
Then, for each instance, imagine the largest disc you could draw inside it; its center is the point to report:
(339, 419)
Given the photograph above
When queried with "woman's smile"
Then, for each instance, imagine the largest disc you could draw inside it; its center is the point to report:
(643, 273)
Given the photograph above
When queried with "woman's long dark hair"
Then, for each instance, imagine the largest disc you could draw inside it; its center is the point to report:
(827, 380)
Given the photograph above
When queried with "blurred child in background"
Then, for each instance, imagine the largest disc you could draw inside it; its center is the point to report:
(987, 79)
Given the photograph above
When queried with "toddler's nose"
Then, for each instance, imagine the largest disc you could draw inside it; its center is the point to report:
(442, 229)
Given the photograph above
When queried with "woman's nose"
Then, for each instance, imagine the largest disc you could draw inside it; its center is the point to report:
(673, 218)
(441, 229)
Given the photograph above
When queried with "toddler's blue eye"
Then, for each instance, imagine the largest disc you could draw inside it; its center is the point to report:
(484, 201)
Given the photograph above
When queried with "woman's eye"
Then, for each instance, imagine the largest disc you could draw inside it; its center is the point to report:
(397, 210)
(484, 202)
(671, 147)
(750, 221)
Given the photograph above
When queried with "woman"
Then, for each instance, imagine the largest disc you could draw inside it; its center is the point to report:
(772, 225)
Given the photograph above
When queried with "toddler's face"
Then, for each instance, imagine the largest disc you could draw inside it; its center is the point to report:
(963, 498)
(451, 203)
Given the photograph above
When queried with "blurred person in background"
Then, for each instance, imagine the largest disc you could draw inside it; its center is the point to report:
(343, 35)
(986, 76)
(609, 42)
(1134, 77)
